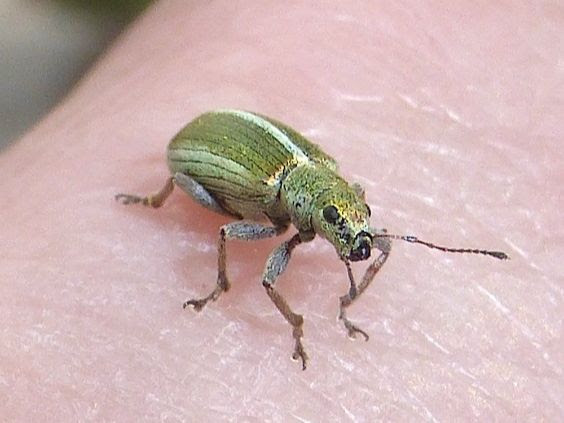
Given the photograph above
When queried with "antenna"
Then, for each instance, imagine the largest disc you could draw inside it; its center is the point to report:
(414, 240)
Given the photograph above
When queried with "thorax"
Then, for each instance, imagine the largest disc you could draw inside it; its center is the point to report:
(301, 189)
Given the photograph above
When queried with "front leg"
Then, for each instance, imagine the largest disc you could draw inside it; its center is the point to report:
(355, 291)
(275, 265)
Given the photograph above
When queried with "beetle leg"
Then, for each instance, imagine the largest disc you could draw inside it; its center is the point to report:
(198, 193)
(244, 231)
(153, 200)
(186, 184)
(355, 291)
(275, 265)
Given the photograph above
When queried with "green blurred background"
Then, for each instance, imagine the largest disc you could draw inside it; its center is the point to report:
(45, 47)
(120, 10)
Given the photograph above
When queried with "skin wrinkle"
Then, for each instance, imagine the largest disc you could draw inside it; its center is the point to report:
(92, 291)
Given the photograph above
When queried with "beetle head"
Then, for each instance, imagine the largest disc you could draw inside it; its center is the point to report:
(342, 217)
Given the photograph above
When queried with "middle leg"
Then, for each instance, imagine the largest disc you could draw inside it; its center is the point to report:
(242, 230)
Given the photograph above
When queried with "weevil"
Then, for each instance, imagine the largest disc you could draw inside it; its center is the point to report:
(267, 176)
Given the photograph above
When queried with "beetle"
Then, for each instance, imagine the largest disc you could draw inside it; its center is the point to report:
(267, 176)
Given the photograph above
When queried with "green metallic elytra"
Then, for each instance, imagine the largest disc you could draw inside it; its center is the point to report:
(266, 175)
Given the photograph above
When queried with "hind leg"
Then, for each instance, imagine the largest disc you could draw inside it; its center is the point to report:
(198, 193)
(182, 181)
(154, 200)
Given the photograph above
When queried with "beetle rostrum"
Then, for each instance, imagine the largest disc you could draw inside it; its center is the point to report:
(362, 246)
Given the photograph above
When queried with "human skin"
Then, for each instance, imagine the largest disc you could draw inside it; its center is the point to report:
(451, 120)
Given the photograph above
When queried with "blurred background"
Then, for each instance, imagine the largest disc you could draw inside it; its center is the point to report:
(45, 47)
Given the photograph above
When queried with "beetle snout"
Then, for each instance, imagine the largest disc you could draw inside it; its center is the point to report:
(362, 246)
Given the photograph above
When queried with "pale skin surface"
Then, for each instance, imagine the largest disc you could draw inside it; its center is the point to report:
(450, 119)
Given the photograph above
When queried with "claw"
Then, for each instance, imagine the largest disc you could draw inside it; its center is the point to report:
(353, 330)
(197, 304)
(200, 303)
(299, 353)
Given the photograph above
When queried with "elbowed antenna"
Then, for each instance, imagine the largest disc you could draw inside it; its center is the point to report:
(414, 240)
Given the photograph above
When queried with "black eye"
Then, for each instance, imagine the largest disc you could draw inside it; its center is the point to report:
(369, 211)
(331, 214)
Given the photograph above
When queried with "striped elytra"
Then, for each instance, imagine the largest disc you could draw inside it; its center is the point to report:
(241, 158)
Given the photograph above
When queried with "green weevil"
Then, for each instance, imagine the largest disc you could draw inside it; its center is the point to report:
(267, 176)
